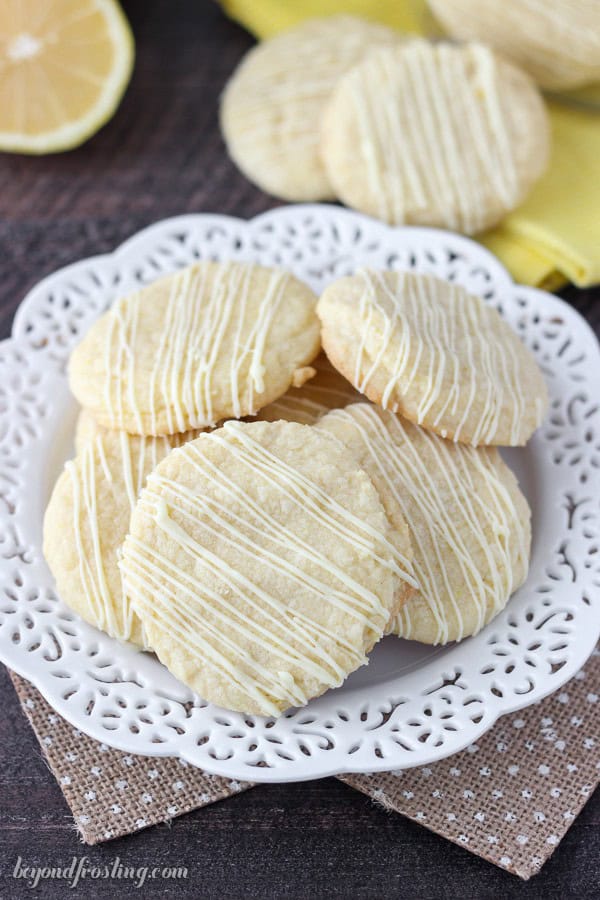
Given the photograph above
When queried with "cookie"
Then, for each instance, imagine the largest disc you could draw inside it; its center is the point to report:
(272, 105)
(262, 565)
(327, 389)
(86, 429)
(87, 519)
(558, 43)
(435, 134)
(213, 341)
(438, 355)
(469, 523)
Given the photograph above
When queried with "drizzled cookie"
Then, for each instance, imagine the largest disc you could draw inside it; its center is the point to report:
(469, 523)
(272, 105)
(557, 42)
(438, 355)
(262, 565)
(213, 341)
(87, 519)
(86, 429)
(435, 134)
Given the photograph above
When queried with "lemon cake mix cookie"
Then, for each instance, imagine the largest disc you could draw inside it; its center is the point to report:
(556, 41)
(435, 134)
(272, 106)
(262, 565)
(86, 429)
(88, 517)
(438, 355)
(469, 523)
(213, 341)
(326, 390)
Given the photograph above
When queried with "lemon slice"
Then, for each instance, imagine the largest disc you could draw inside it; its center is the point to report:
(64, 65)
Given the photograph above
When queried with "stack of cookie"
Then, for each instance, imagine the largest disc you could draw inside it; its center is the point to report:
(406, 130)
(259, 514)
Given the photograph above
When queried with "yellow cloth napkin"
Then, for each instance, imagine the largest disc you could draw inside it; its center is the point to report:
(555, 235)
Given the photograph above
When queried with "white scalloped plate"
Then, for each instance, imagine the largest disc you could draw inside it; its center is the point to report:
(413, 704)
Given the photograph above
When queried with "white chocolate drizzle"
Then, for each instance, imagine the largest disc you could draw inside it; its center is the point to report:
(470, 541)
(557, 42)
(273, 104)
(444, 361)
(126, 473)
(433, 135)
(207, 319)
(219, 610)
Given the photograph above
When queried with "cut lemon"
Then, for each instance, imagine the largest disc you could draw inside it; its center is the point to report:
(64, 65)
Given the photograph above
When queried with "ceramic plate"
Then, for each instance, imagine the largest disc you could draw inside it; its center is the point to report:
(412, 704)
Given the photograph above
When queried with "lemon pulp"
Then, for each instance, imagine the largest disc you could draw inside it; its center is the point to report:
(64, 65)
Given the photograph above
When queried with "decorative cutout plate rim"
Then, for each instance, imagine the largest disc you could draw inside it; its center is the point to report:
(440, 699)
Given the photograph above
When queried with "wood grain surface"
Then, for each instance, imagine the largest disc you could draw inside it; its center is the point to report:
(162, 155)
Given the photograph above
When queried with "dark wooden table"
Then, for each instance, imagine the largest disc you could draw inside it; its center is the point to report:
(162, 155)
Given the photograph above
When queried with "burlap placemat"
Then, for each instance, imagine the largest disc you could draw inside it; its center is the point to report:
(510, 798)
(111, 793)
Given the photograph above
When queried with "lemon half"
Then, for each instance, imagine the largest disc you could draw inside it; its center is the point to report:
(64, 65)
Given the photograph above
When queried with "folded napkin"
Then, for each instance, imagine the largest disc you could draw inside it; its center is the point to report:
(555, 235)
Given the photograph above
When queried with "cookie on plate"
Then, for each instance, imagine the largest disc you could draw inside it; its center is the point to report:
(87, 519)
(86, 429)
(327, 389)
(435, 134)
(272, 105)
(262, 564)
(438, 355)
(213, 341)
(558, 43)
(468, 521)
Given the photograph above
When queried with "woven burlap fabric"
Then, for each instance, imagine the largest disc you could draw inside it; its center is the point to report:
(111, 793)
(510, 798)
(513, 795)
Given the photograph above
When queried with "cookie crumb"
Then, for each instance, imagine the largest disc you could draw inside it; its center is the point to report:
(302, 375)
